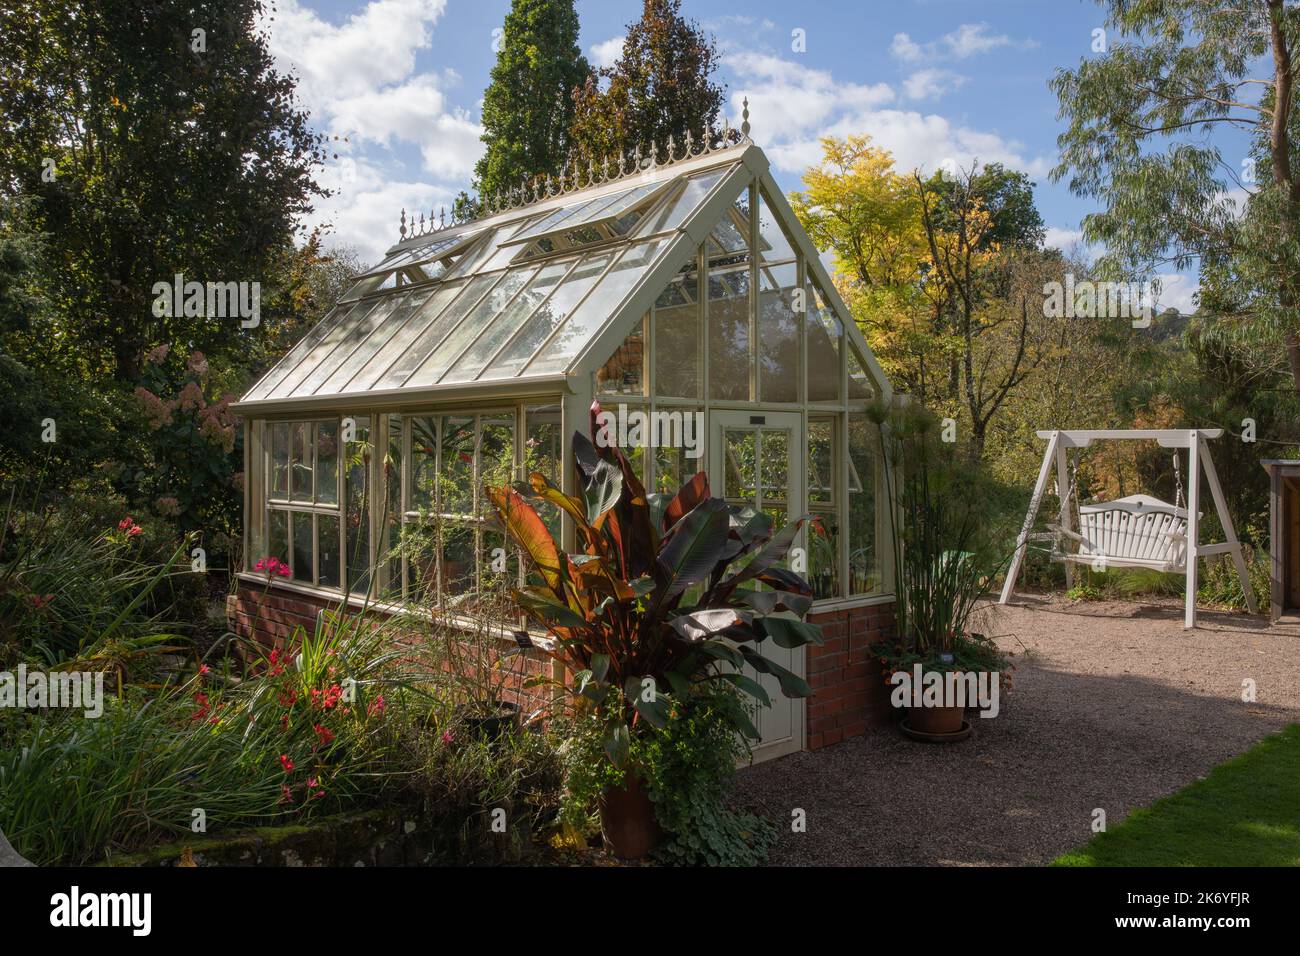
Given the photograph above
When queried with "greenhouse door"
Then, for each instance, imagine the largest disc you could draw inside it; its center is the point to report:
(756, 461)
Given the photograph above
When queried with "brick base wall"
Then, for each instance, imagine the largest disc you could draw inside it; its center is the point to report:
(849, 690)
(270, 617)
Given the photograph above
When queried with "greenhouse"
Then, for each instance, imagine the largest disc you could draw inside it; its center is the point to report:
(679, 292)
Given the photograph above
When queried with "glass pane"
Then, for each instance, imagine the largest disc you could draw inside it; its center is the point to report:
(778, 334)
(457, 561)
(400, 317)
(300, 462)
(354, 338)
(548, 317)
(280, 460)
(456, 478)
(740, 466)
(357, 496)
(391, 519)
(677, 462)
(859, 381)
(508, 322)
(469, 329)
(596, 309)
(324, 349)
(420, 543)
(302, 546)
(774, 475)
(543, 451)
(278, 545)
(498, 564)
(862, 505)
(496, 466)
(821, 461)
(327, 544)
(474, 261)
(404, 338)
(674, 212)
(327, 462)
(824, 336)
(435, 331)
(728, 324)
(424, 463)
(823, 554)
(677, 338)
(294, 360)
(773, 244)
(624, 374)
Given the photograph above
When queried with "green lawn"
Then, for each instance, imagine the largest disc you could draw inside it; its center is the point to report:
(1245, 813)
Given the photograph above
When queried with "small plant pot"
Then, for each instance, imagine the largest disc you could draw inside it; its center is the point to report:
(493, 726)
(627, 820)
(936, 720)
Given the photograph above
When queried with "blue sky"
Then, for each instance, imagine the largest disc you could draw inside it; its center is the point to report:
(934, 81)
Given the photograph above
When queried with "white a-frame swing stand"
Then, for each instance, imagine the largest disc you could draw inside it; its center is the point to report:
(1138, 531)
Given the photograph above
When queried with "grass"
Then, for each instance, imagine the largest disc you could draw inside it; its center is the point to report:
(1245, 813)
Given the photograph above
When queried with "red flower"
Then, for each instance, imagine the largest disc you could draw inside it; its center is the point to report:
(205, 669)
(202, 700)
(134, 530)
(286, 795)
(286, 763)
(376, 706)
(447, 737)
(324, 736)
(125, 523)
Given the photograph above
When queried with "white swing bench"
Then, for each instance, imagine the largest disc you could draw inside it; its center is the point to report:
(1137, 531)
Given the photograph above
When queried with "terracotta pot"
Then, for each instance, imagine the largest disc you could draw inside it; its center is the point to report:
(936, 720)
(627, 820)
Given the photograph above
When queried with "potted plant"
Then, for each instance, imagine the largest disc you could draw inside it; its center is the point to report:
(667, 592)
(942, 574)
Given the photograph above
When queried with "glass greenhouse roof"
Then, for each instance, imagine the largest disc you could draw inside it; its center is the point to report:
(519, 294)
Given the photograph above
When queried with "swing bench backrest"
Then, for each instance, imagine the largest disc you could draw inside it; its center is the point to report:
(1138, 531)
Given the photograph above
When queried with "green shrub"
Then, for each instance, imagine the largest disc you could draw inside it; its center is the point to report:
(1221, 586)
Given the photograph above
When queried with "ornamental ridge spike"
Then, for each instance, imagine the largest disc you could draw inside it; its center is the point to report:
(403, 229)
(744, 117)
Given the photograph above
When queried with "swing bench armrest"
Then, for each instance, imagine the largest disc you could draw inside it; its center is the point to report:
(1059, 529)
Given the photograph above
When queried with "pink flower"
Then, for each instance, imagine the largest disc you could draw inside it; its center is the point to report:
(125, 523)
(205, 669)
(286, 762)
(447, 737)
(376, 706)
(158, 354)
(197, 364)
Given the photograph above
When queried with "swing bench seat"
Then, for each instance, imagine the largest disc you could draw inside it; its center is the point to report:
(1138, 531)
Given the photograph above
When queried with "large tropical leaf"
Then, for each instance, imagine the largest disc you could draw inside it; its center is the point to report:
(684, 502)
(528, 530)
(694, 548)
(655, 707)
(551, 612)
(697, 625)
(788, 633)
(771, 552)
(792, 685)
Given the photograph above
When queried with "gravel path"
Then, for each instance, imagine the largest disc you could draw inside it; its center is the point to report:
(1114, 705)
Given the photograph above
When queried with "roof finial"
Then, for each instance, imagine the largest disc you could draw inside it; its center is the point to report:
(403, 229)
(442, 217)
(744, 116)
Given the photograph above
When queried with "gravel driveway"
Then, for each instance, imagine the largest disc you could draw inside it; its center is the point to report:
(1114, 705)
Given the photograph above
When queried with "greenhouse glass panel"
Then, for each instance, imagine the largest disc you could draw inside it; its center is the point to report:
(596, 309)
(624, 372)
(435, 331)
(300, 355)
(478, 318)
(350, 341)
(676, 211)
(825, 332)
(860, 386)
(404, 337)
(385, 329)
(538, 328)
(508, 322)
(778, 334)
(773, 243)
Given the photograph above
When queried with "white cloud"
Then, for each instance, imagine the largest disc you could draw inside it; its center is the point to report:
(605, 54)
(1177, 291)
(931, 84)
(1062, 239)
(792, 107)
(969, 39)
